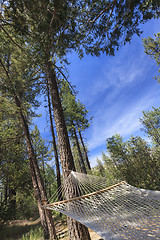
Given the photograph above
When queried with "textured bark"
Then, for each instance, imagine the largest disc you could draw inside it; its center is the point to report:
(77, 231)
(85, 152)
(39, 189)
(39, 201)
(81, 161)
(54, 145)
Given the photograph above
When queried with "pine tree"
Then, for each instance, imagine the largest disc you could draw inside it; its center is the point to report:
(53, 28)
(17, 79)
(152, 48)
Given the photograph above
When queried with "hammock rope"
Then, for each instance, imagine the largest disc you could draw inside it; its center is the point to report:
(117, 212)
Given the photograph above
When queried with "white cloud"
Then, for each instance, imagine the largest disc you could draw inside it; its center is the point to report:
(126, 122)
(93, 159)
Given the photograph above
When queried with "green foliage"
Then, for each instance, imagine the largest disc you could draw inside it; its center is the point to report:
(151, 124)
(76, 156)
(26, 206)
(34, 234)
(152, 48)
(106, 168)
(23, 232)
(96, 26)
(40, 148)
(14, 171)
(74, 111)
(136, 161)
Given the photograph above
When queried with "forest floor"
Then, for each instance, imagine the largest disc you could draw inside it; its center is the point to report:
(18, 229)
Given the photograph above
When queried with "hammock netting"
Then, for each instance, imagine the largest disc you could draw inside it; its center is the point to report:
(120, 211)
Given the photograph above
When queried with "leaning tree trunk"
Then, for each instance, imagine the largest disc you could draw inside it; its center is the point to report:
(37, 180)
(81, 161)
(85, 151)
(77, 231)
(54, 146)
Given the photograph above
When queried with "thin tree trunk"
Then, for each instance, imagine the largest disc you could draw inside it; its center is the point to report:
(43, 170)
(81, 161)
(39, 200)
(6, 192)
(45, 215)
(54, 146)
(77, 231)
(12, 202)
(85, 152)
(37, 180)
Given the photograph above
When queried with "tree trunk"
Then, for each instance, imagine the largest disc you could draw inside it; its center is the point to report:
(12, 202)
(85, 152)
(5, 192)
(43, 170)
(77, 231)
(37, 181)
(39, 200)
(54, 146)
(81, 161)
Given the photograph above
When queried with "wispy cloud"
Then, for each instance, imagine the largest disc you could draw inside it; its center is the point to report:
(125, 122)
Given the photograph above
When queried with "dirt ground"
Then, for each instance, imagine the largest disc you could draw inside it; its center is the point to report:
(61, 228)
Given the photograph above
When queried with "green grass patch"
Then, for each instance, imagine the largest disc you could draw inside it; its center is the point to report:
(34, 234)
(26, 232)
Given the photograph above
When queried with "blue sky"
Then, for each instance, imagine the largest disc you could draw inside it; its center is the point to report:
(115, 90)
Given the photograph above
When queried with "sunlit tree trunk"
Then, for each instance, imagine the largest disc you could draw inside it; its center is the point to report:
(40, 193)
(85, 151)
(54, 145)
(81, 161)
(77, 231)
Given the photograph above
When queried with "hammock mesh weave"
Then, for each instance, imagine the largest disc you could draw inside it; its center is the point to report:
(117, 212)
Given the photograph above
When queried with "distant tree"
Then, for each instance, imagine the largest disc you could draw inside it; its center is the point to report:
(14, 172)
(18, 78)
(110, 168)
(76, 120)
(151, 124)
(100, 168)
(43, 154)
(134, 161)
(51, 183)
(152, 48)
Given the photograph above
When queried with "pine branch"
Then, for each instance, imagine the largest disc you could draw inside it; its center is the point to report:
(107, 8)
(7, 73)
(11, 38)
(12, 138)
(64, 77)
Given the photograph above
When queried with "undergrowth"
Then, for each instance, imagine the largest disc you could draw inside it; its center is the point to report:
(26, 232)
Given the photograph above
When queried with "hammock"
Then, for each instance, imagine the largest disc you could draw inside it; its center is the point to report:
(118, 212)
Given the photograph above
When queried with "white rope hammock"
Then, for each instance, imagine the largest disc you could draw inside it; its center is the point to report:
(120, 211)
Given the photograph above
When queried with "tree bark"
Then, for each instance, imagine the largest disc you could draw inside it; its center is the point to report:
(40, 192)
(6, 192)
(85, 152)
(39, 201)
(81, 161)
(77, 231)
(43, 170)
(12, 202)
(54, 146)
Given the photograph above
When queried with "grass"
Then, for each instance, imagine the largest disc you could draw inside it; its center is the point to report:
(34, 234)
(31, 230)
(22, 232)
